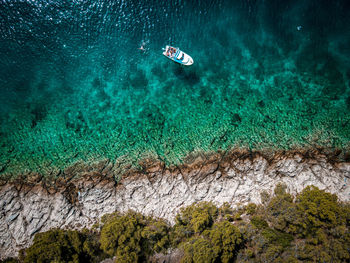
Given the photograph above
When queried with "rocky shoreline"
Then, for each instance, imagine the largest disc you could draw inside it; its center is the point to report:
(79, 195)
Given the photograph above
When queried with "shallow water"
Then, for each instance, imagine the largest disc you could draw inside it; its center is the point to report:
(74, 86)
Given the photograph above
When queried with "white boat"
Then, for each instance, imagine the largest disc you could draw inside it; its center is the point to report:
(178, 56)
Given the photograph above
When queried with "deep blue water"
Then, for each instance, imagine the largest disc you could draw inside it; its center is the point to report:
(74, 86)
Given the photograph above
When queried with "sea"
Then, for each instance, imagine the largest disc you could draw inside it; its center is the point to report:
(83, 81)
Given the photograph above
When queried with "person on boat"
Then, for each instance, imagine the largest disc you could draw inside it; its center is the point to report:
(171, 51)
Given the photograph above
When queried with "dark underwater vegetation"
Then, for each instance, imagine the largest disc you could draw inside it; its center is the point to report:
(74, 86)
(311, 227)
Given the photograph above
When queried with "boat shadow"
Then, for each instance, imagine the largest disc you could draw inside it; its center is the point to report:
(190, 76)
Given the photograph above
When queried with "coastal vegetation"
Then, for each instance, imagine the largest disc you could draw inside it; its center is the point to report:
(310, 227)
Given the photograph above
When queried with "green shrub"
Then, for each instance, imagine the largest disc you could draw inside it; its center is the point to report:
(277, 238)
(280, 189)
(193, 219)
(133, 237)
(198, 250)
(250, 208)
(9, 260)
(226, 239)
(237, 216)
(226, 212)
(217, 244)
(157, 235)
(314, 228)
(317, 208)
(249, 253)
(198, 216)
(258, 222)
(265, 197)
(225, 209)
(121, 236)
(281, 211)
(61, 246)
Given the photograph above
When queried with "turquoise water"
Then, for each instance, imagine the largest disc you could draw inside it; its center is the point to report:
(75, 87)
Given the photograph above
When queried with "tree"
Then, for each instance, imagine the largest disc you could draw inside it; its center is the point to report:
(60, 246)
(197, 216)
(133, 237)
(226, 240)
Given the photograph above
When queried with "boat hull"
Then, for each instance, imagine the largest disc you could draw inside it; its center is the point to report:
(178, 56)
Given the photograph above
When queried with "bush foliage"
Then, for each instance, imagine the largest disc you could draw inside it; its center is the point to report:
(133, 237)
(312, 227)
(197, 217)
(62, 246)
